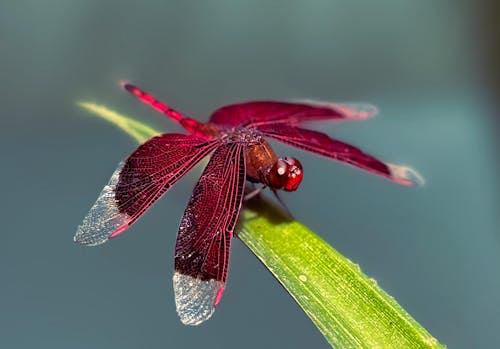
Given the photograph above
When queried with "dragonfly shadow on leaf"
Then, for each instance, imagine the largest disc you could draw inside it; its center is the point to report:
(261, 206)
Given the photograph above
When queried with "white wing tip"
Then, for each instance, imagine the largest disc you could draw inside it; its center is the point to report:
(84, 238)
(406, 175)
(104, 219)
(350, 111)
(195, 299)
(357, 111)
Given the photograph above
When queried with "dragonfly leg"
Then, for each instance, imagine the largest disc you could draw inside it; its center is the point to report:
(282, 203)
(253, 192)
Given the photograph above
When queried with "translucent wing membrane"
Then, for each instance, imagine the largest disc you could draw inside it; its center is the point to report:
(269, 112)
(349, 111)
(138, 182)
(205, 233)
(322, 144)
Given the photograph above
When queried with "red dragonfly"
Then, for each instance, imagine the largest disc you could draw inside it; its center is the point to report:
(235, 140)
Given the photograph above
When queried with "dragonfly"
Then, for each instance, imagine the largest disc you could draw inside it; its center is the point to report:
(234, 139)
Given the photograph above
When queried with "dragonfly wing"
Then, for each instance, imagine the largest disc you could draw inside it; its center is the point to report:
(267, 112)
(205, 233)
(322, 144)
(138, 182)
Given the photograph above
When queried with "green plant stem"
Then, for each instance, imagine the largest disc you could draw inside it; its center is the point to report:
(348, 307)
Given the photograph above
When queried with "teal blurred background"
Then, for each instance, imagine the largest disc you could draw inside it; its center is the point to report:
(430, 66)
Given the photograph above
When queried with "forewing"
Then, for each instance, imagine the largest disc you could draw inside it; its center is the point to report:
(138, 182)
(205, 233)
(322, 144)
(253, 114)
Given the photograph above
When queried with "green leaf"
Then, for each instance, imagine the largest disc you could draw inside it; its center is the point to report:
(348, 307)
(135, 129)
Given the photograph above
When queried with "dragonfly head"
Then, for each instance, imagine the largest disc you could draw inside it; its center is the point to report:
(286, 174)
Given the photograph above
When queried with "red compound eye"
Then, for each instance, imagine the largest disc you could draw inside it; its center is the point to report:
(294, 174)
(286, 174)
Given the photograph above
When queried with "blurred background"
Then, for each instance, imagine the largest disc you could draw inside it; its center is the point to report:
(431, 67)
